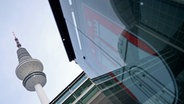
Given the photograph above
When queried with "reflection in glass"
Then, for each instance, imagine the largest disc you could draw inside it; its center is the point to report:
(134, 48)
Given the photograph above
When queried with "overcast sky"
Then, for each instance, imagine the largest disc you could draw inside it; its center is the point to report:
(34, 25)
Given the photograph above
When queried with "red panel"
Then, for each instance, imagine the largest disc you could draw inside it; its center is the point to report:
(138, 43)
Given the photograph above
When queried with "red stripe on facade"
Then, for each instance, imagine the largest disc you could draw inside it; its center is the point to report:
(138, 43)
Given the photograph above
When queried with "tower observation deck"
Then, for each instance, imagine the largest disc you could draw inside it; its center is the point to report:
(30, 71)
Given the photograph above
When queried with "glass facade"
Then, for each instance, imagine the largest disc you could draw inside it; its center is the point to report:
(133, 50)
(81, 91)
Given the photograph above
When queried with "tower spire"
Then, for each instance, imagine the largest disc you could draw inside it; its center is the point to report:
(17, 41)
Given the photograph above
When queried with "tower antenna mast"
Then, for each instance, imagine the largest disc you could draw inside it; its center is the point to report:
(17, 41)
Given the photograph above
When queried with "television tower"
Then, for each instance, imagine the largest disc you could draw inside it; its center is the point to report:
(31, 72)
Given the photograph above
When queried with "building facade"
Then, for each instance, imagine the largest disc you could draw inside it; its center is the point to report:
(81, 91)
(132, 50)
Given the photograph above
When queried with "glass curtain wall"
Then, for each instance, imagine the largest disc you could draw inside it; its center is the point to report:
(132, 49)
